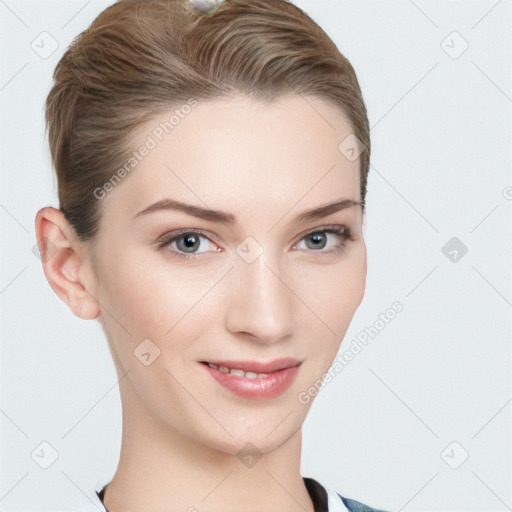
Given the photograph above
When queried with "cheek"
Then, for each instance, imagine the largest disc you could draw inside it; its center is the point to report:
(149, 299)
(331, 295)
(334, 291)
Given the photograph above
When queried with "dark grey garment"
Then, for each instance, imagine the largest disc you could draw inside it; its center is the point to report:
(319, 498)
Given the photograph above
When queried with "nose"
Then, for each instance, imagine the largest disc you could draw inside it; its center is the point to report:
(259, 301)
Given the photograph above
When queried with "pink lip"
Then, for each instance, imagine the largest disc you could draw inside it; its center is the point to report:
(281, 374)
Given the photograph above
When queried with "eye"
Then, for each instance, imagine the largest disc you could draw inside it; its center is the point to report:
(318, 239)
(184, 243)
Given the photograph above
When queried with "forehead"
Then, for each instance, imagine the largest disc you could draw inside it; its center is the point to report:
(242, 153)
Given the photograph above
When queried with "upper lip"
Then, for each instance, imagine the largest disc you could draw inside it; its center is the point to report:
(258, 366)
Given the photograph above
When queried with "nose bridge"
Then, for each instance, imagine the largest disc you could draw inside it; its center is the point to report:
(260, 303)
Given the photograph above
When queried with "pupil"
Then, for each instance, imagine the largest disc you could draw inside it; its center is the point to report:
(316, 238)
(187, 239)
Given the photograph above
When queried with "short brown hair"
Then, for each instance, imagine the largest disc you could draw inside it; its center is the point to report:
(140, 58)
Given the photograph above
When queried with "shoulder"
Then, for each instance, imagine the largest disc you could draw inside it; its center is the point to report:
(357, 506)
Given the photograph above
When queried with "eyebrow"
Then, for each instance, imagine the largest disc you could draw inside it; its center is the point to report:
(230, 219)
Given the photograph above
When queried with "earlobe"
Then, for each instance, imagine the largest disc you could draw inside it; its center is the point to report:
(62, 257)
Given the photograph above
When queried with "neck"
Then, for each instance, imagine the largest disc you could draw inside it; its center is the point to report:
(165, 471)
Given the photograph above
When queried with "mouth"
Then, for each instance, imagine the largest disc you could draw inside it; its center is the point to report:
(254, 379)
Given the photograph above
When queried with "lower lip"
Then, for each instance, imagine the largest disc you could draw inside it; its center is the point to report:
(259, 388)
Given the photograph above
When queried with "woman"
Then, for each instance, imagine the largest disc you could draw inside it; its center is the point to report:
(212, 163)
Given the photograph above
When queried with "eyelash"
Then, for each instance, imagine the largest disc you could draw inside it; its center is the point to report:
(340, 231)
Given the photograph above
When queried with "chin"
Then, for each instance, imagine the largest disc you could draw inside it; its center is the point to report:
(254, 439)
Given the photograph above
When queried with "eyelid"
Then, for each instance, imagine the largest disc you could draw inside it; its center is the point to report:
(177, 232)
(325, 227)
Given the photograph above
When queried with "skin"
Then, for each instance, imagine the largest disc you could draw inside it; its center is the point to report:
(264, 163)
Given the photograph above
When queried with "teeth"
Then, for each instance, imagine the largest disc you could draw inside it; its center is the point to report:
(238, 372)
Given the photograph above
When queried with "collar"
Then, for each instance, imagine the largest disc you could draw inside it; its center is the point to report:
(323, 496)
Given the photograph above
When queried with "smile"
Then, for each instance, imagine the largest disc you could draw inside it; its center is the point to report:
(254, 380)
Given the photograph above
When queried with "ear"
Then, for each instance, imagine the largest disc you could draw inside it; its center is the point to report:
(64, 264)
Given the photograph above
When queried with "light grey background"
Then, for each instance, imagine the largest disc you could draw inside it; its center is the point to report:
(433, 386)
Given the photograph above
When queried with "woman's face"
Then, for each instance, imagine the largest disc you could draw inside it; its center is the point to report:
(254, 283)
